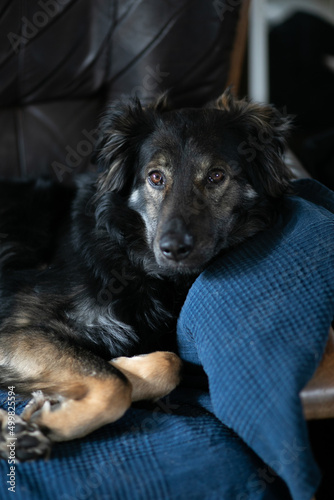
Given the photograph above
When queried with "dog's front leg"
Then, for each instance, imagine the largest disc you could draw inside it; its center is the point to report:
(78, 391)
(75, 392)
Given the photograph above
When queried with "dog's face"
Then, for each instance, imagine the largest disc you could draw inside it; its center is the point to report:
(199, 178)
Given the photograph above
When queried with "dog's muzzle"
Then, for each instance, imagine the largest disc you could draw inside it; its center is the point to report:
(176, 243)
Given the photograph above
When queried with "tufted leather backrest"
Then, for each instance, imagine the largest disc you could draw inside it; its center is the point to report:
(60, 60)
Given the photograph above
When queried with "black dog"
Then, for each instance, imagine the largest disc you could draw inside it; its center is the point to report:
(92, 273)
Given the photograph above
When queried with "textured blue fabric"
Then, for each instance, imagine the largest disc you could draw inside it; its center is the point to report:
(257, 321)
(174, 450)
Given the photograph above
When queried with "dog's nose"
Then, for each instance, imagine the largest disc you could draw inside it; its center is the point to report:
(176, 246)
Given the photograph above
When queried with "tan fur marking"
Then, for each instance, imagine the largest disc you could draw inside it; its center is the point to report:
(21, 321)
(105, 401)
(87, 398)
(225, 102)
(88, 392)
(159, 161)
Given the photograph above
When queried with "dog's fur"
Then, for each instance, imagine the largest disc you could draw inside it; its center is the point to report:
(100, 271)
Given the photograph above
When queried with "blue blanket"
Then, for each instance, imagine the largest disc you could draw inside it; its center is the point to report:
(257, 321)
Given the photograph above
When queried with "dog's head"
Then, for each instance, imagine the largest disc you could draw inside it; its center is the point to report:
(201, 179)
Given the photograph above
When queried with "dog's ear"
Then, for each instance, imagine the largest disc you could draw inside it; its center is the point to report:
(123, 127)
(263, 139)
(122, 130)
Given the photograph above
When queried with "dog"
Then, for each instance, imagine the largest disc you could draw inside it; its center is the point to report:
(93, 276)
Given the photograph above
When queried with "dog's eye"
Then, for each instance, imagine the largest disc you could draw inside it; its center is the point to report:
(156, 179)
(216, 176)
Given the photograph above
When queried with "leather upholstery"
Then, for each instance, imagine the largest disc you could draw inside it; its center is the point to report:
(318, 396)
(60, 60)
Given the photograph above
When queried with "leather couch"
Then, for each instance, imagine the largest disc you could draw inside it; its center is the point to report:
(61, 60)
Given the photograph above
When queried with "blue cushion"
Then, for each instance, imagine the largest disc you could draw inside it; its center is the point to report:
(258, 320)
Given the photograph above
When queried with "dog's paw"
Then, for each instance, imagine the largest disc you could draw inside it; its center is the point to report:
(152, 375)
(22, 440)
